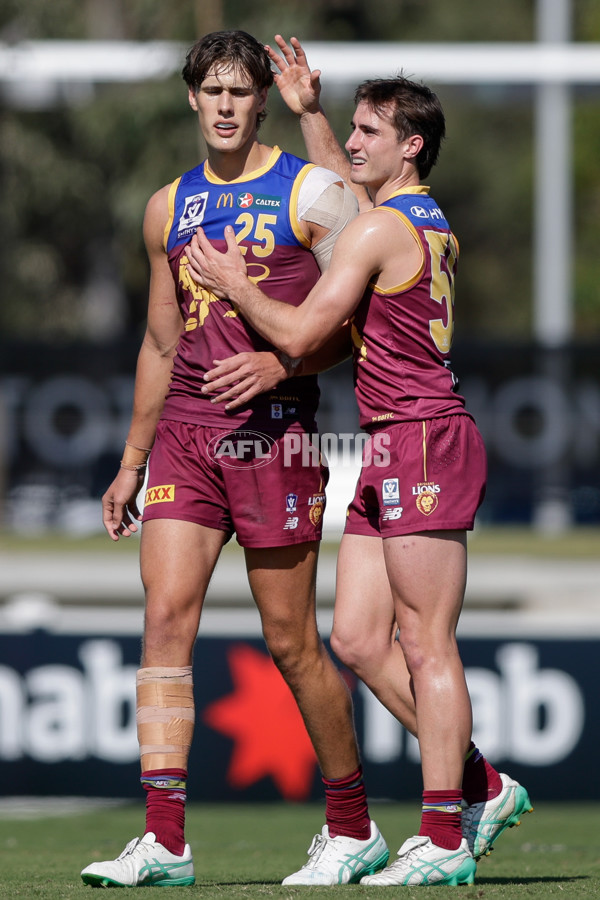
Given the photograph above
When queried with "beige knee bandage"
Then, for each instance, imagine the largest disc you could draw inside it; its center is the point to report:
(165, 716)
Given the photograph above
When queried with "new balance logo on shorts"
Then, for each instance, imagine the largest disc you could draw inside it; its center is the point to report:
(291, 523)
(394, 513)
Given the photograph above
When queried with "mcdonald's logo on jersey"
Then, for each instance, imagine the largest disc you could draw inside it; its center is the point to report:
(225, 200)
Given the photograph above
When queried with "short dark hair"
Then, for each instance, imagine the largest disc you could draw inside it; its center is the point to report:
(234, 48)
(414, 109)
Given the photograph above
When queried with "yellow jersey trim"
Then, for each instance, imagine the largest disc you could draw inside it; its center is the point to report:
(171, 206)
(294, 221)
(405, 285)
(414, 189)
(247, 176)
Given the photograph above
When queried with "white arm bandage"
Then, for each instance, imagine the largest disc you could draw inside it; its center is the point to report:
(326, 200)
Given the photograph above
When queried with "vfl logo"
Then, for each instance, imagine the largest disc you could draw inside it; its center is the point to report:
(390, 490)
(163, 493)
(242, 449)
(225, 200)
(193, 212)
(245, 200)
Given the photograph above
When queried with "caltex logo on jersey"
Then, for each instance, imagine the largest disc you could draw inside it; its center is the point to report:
(245, 200)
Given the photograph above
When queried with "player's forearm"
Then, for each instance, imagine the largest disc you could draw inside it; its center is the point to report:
(153, 374)
(286, 327)
(322, 146)
(324, 149)
(332, 353)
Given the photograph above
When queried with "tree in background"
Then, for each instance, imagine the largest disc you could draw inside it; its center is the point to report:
(77, 169)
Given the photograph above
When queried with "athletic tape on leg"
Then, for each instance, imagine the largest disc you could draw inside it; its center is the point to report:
(165, 716)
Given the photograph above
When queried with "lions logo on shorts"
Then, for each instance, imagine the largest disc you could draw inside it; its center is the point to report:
(426, 493)
(426, 503)
(317, 505)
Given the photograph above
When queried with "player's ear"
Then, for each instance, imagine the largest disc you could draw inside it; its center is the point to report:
(262, 99)
(192, 99)
(414, 145)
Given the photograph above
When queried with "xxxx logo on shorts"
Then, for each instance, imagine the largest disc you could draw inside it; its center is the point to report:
(163, 493)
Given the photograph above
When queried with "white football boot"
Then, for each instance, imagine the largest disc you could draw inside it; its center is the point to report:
(422, 862)
(341, 860)
(143, 862)
(483, 822)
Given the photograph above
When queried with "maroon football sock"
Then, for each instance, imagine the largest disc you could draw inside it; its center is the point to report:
(165, 806)
(481, 781)
(440, 818)
(346, 807)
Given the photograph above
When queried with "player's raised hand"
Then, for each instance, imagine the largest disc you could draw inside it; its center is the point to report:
(299, 87)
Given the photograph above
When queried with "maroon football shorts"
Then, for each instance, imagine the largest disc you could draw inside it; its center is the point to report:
(240, 481)
(420, 476)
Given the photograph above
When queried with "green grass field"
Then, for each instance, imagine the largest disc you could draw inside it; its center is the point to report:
(577, 543)
(243, 851)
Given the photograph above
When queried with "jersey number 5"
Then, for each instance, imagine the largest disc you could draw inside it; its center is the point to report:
(443, 252)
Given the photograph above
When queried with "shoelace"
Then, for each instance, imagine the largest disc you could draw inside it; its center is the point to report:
(319, 842)
(132, 846)
(129, 848)
(407, 856)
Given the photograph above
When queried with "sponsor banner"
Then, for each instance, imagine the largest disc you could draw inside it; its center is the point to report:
(67, 720)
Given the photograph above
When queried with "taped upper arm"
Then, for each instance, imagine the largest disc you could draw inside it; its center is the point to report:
(326, 201)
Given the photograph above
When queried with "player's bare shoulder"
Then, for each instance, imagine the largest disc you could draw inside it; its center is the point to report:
(370, 234)
(399, 251)
(156, 217)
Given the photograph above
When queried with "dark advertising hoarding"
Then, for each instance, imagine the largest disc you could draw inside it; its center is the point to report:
(67, 719)
(65, 413)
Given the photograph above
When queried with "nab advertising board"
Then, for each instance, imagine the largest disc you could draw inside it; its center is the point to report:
(67, 718)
